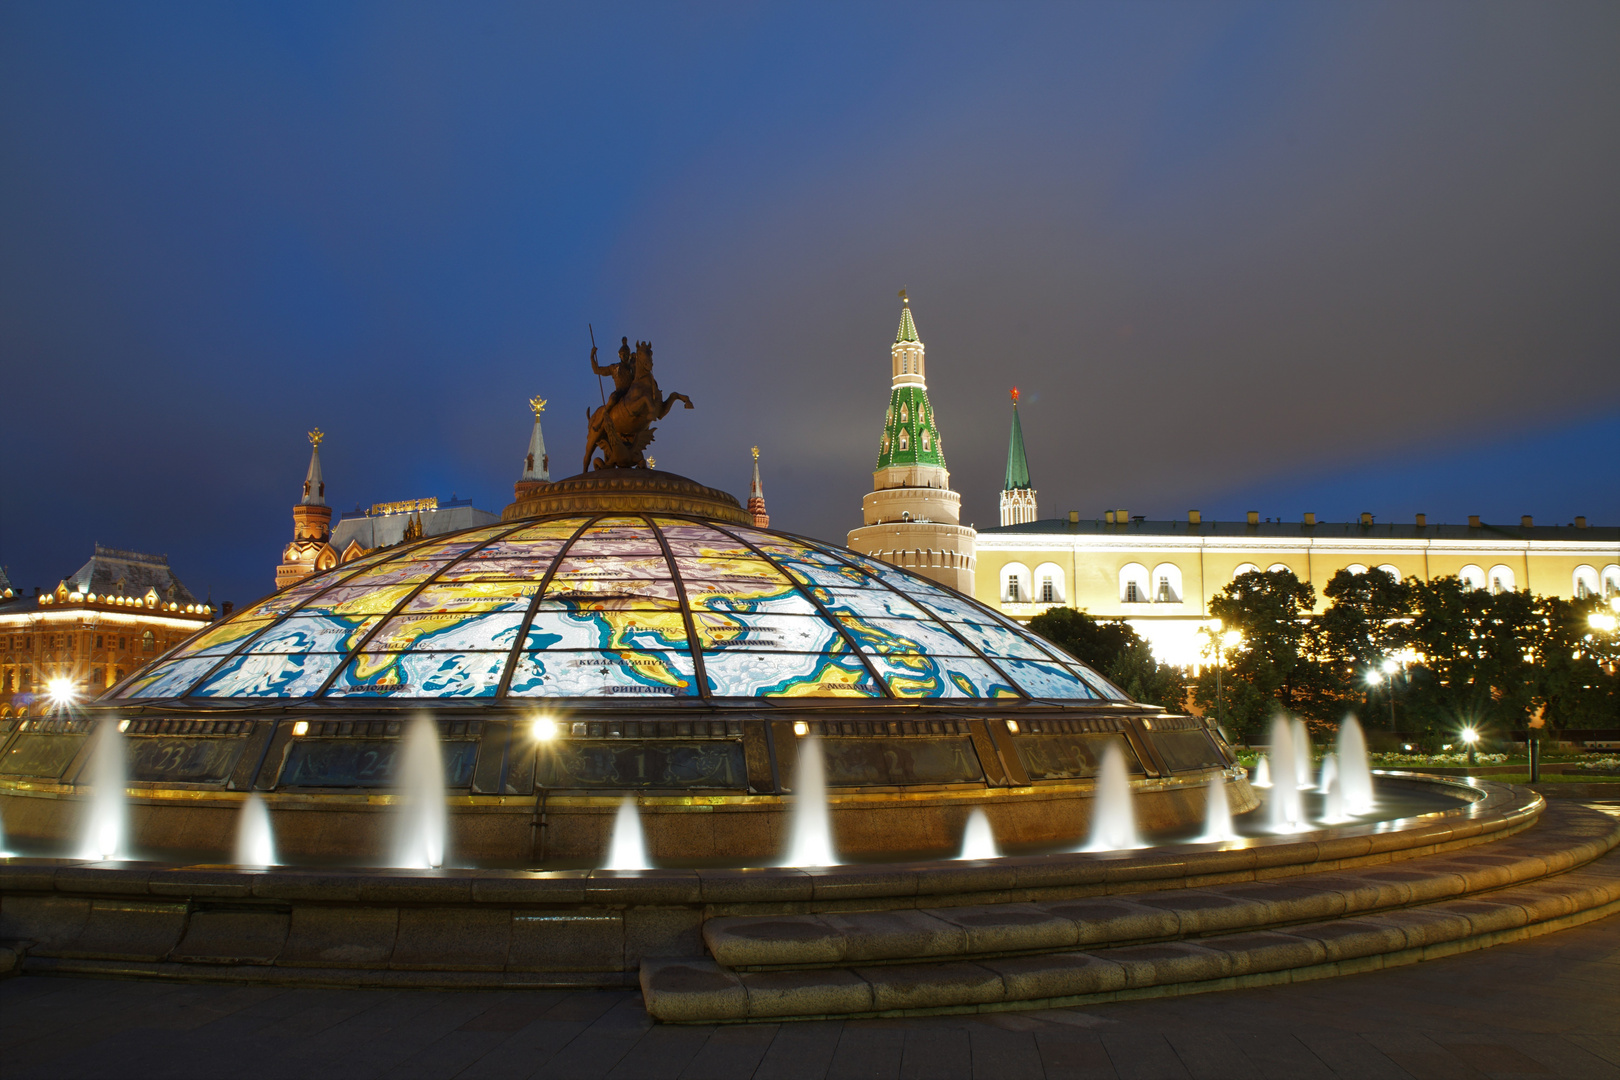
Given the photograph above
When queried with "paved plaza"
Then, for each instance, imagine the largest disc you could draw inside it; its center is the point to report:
(1549, 1007)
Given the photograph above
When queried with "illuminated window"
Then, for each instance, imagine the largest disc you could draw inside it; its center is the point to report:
(905, 442)
(1048, 593)
(148, 642)
(1012, 588)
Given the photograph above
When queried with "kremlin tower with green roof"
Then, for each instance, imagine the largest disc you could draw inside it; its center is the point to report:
(913, 518)
(1017, 497)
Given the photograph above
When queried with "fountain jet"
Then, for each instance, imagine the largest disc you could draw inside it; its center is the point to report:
(1218, 813)
(629, 848)
(1302, 753)
(109, 804)
(1113, 822)
(1330, 772)
(255, 842)
(1355, 775)
(978, 839)
(809, 823)
(422, 822)
(1287, 809)
(1262, 772)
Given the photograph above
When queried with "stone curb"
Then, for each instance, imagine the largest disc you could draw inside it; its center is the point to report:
(829, 939)
(701, 991)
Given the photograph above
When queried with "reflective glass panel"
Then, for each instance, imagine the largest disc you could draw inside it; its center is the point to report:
(607, 629)
(1047, 680)
(421, 674)
(276, 675)
(762, 674)
(454, 632)
(171, 679)
(766, 632)
(869, 603)
(904, 636)
(556, 673)
(916, 676)
(311, 633)
(473, 596)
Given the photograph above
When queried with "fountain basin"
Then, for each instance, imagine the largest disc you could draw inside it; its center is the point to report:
(494, 927)
(896, 787)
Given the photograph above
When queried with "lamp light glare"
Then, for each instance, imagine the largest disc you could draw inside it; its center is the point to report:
(1390, 666)
(1470, 735)
(801, 728)
(543, 729)
(1012, 726)
(301, 728)
(61, 691)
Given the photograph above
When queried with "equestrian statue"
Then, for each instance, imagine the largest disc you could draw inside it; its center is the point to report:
(621, 426)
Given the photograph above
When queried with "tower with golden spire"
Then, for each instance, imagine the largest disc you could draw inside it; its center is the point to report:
(536, 465)
(912, 517)
(756, 498)
(310, 550)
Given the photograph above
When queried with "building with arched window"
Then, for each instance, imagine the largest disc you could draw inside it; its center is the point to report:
(1159, 576)
(118, 611)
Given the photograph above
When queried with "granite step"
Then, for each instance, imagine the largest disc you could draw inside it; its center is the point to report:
(1567, 837)
(702, 991)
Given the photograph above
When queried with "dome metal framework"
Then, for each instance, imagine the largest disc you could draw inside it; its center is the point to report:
(583, 607)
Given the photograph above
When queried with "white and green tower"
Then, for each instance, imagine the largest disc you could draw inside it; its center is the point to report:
(913, 518)
(1017, 497)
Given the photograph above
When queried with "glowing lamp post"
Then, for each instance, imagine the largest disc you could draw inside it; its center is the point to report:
(1470, 735)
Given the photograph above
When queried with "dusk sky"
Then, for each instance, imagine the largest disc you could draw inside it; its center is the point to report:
(1283, 257)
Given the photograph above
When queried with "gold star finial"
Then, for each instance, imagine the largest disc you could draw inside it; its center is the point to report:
(756, 453)
(315, 438)
(538, 404)
(904, 299)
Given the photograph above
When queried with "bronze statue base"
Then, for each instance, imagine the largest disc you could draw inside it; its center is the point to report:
(628, 491)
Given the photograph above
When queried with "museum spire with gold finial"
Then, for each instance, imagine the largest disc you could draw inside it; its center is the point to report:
(536, 463)
(310, 549)
(912, 517)
(756, 497)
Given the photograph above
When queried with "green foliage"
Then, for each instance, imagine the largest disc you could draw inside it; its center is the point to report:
(1472, 644)
(1270, 667)
(1091, 640)
(1117, 651)
(1575, 666)
(1145, 679)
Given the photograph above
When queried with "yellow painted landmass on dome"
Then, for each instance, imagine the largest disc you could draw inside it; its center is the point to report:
(830, 680)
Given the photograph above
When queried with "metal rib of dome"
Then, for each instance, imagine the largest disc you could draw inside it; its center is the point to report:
(611, 605)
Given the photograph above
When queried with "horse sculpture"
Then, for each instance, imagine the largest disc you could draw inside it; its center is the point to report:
(621, 428)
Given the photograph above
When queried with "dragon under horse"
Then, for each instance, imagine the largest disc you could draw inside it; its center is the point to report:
(622, 428)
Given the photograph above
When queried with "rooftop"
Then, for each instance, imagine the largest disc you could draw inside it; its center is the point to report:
(1322, 530)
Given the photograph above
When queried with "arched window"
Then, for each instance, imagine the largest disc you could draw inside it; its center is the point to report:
(148, 642)
(1392, 570)
(905, 441)
(1134, 587)
(903, 413)
(1611, 581)
(1501, 578)
(1015, 584)
(1277, 566)
(1472, 577)
(925, 440)
(1049, 583)
(1584, 582)
(1356, 568)
(1167, 583)
(1244, 568)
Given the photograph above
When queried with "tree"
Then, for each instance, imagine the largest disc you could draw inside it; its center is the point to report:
(1472, 645)
(1142, 676)
(1093, 641)
(1353, 637)
(1270, 668)
(1117, 651)
(1574, 671)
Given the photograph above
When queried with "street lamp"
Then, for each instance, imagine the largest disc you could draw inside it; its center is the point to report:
(1470, 735)
(1224, 639)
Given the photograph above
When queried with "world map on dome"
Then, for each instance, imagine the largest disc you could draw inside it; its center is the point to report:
(617, 606)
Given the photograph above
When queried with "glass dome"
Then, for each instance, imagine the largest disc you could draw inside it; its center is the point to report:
(599, 606)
